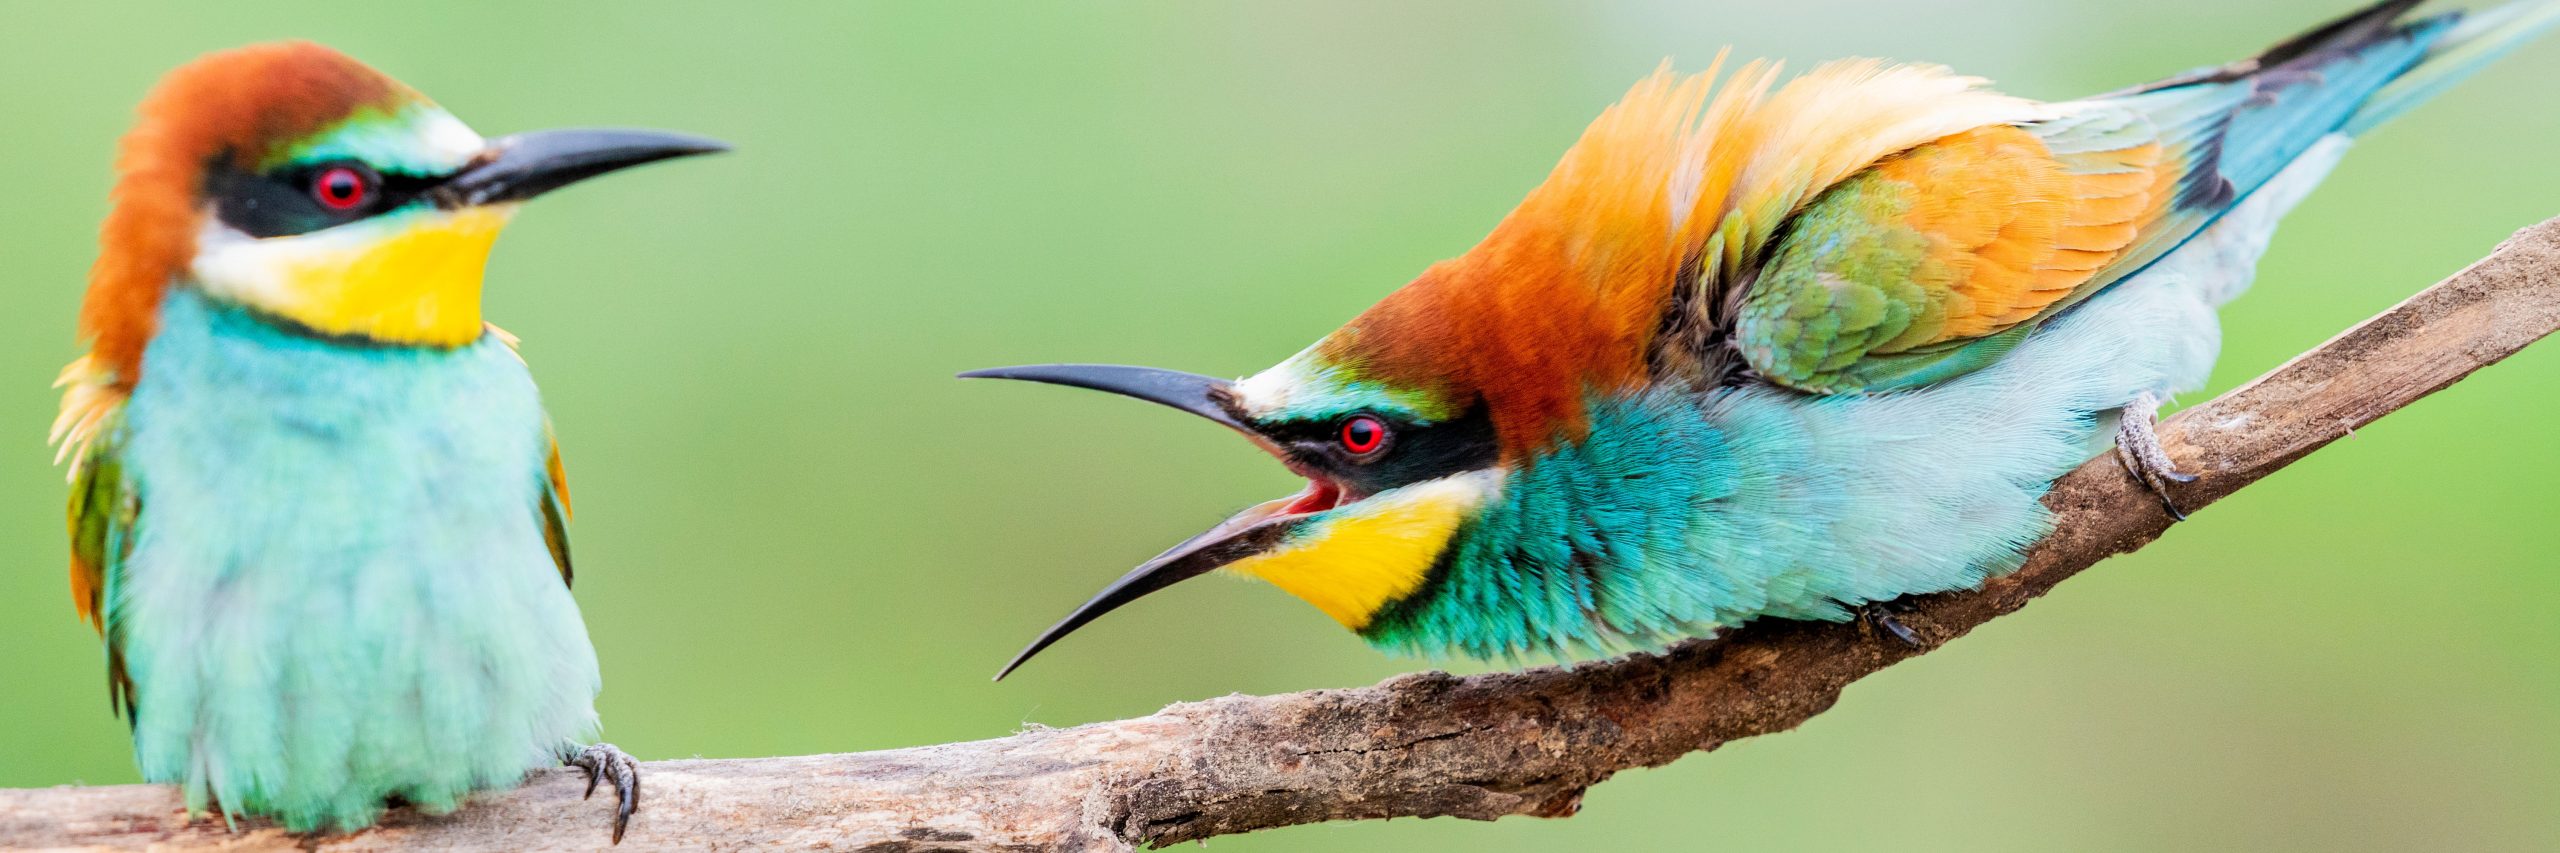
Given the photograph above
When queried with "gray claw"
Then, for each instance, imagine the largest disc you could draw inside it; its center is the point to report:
(605, 762)
(2138, 447)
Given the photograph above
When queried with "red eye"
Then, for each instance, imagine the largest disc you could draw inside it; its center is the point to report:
(342, 188)
(1363, 435)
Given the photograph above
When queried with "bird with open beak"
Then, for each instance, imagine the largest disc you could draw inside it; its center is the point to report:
(316, 511)
(1760, 350)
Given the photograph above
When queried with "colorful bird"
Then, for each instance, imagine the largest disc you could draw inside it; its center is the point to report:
(1782, 350)
(316, 509)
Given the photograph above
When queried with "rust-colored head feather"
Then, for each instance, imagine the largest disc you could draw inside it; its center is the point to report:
(236, 105)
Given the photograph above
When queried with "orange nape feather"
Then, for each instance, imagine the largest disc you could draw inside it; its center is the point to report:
(1668, 200)
(237, 105)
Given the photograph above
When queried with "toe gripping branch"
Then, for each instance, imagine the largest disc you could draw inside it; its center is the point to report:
(605, 762)
(2138, 446)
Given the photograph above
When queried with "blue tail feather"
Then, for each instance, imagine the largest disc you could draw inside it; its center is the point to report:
(2465, 47)
(2294, 104)
(2242, 123)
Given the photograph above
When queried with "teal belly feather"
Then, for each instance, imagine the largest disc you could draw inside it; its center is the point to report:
(337, 591)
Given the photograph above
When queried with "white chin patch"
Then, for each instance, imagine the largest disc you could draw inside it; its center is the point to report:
(267, 272)
(252, 271)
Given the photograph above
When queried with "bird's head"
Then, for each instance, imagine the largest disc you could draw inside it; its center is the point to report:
(1408, 421)
(1393, 471)
(306, 186)
(1406, 424)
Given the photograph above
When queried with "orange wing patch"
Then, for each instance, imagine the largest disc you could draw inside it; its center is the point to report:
(1988, 242)
(1892, 277)
(2015, 229)
(88, 581)
(559, 480)
(555, 513)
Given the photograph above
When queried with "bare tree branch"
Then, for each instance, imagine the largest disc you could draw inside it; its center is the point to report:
(1482, 747)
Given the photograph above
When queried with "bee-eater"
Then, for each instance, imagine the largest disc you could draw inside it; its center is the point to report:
(316, 508)
(1782, 350)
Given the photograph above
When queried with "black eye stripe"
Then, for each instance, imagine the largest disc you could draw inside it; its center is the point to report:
(1406, 452)
(281, 202)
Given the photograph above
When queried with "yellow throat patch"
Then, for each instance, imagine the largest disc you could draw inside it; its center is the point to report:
(1376, 552)
(410, 277)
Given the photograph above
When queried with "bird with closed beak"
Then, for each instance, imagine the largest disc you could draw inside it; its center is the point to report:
(1782, 350)
(317, 512)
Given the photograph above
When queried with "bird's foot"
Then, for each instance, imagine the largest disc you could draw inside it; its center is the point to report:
(605, 762)
(2138, 446)
(1881, 615)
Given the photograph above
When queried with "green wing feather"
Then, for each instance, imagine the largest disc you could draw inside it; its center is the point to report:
(1938, 260)
(104, 511)
(555, 508)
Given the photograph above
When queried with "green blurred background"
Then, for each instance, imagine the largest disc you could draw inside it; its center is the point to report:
(798, 534)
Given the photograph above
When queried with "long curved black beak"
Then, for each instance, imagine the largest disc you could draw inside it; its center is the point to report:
(529, 164)
(1249, 532)
(1191, 392)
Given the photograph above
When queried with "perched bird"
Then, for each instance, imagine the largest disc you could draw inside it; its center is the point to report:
(1759, 350)
(316, 509)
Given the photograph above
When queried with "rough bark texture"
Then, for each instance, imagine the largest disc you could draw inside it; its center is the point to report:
(1481, 747)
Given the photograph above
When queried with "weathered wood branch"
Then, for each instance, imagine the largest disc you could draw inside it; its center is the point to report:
(1482, 747)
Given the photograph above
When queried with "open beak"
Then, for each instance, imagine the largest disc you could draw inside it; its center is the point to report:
(1250, 532)
(525, 165)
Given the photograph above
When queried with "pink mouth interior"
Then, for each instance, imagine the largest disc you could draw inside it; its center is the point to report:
(1320, 495)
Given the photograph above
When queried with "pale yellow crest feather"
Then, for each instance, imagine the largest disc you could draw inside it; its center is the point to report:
(1767, 154)
(1692, 175)
(90, 394)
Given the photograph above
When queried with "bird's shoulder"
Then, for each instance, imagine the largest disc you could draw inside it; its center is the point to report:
(1934, 261)
(103, 507)
(84, 434)
(555, 477)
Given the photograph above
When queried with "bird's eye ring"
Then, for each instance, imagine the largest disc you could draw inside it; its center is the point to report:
(342, 188)
(1363, 435)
